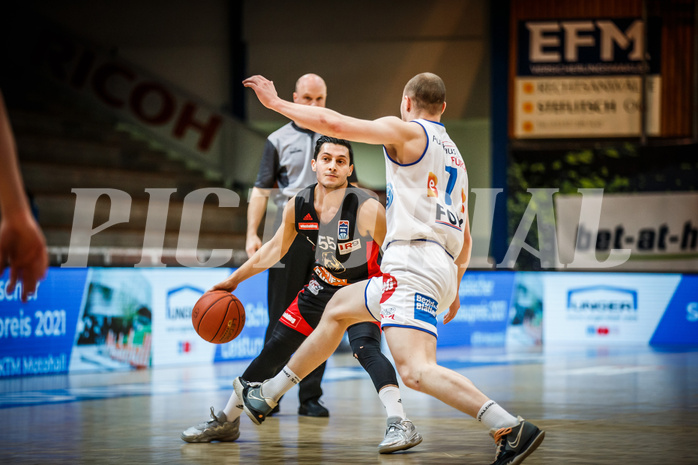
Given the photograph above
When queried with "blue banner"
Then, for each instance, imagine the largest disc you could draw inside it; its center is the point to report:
(679, 325)
(37, 337)
(482, 320)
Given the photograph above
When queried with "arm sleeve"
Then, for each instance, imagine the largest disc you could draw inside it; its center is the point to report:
(268, 167)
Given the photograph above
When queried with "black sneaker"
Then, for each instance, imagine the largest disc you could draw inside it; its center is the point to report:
(313, 408)
(514, 444)
(255, 405)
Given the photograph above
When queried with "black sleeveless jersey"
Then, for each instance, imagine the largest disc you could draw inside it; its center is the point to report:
(342, 255)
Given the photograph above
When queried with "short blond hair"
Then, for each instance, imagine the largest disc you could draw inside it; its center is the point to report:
(428, 92)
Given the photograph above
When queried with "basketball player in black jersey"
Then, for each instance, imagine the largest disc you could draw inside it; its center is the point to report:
(346, 228)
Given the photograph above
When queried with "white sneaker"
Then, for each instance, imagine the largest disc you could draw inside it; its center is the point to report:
(218, 428)
(399, 435)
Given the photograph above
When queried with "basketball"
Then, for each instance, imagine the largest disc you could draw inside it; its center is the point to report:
(218, 317)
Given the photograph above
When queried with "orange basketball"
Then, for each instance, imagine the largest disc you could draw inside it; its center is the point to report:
(218, 317)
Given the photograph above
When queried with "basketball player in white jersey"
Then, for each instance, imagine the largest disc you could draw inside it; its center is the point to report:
(425, 253)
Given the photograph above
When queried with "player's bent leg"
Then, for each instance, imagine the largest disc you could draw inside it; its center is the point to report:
(344, 309)
(365, 340)
(414, 353)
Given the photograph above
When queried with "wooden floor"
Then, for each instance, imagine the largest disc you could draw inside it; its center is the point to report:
(597, 405)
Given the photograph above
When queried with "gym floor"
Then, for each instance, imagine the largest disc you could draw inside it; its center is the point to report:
(610, 405)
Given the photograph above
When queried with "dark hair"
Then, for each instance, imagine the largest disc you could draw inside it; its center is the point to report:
(428, 92)
(333, 140)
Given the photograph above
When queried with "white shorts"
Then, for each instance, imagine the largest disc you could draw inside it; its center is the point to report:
(418, 283)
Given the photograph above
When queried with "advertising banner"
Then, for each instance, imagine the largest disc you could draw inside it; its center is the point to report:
(106, 319)
(174, 292)
(484, 313)
(37, 337)
(610, 308)
(564, 107)
(663, 238)
(584, 78)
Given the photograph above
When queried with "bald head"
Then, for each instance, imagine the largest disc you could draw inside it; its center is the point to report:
(310, 90)
(427, 91)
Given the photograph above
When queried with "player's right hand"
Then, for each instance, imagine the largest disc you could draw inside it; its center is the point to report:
(264, 88)
(226, 285)
(252, 245)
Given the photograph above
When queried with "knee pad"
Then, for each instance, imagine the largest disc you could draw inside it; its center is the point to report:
(364, 348)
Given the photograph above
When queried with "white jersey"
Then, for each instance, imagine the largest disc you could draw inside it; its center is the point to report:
(427, 199)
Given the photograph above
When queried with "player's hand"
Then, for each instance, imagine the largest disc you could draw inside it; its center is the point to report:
(264, 88)
(23, 249)
(252, 244)
(452, 310)
(228, 285)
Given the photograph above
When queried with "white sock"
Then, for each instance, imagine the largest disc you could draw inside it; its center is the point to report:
(233, 408)
(493, 416)
(279, 384)
(390, 396)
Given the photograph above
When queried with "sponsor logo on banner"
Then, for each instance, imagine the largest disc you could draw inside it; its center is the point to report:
(583, 78)
(308, 226)
(425, 308)
(605, 302)
(343, 230)
(348, 247)
(602, 331)
(181, 301)
(692, 312)
(663, 238)
(184, 347)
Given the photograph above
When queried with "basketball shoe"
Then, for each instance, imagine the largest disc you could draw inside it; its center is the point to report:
(515, 443)
(218, 428)
(256, 406)
(399, 435)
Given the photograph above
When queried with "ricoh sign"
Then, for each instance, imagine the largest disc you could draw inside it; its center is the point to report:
(582, 78)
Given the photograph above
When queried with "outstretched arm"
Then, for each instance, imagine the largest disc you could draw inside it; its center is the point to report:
(388, 131)
(268, 254)
(22, 244)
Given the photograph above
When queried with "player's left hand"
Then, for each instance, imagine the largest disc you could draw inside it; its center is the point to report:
(264, 88)
(452, 310)
(23, 249)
